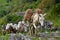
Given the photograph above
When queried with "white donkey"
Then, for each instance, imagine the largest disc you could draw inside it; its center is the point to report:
(41, 19)
(38, 17)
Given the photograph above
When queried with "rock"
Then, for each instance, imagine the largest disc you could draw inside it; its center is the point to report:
(51, 39)
(19, 37)
(20, 13)
(42, 34)
(57, 34)
(42, 38)
(48, 25)
(23, 37)
(13, 36)
(28, 38)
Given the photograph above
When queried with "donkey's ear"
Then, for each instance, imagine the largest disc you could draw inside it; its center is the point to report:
(44, 14)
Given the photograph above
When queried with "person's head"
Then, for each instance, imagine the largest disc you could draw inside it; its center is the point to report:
(39, 11)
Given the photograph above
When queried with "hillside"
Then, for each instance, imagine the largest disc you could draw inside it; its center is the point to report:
(9, 9)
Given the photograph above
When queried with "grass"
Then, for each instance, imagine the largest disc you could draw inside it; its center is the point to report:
(58, 38)
(53, 18)
(4, 37)
(35, 38)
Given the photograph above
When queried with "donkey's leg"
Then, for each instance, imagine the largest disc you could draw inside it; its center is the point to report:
(29, 27)
(35, 28)
(34, 25)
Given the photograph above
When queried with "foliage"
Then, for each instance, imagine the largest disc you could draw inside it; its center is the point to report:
(8, 8)
(45, 4)
(2, 13)
(57, 1)
(10, 19)
(54, 14)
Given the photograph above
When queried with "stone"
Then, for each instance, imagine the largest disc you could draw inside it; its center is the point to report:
(12, 36)
(43, 34)
(51, 39)
(23, 37)
(20, 13)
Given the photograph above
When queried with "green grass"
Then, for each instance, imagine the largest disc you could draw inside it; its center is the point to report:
(53, 18)
(4, 37)
(58, 38)
(56, 22)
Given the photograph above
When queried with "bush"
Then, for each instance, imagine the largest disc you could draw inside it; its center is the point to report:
(2, 13)
(55, 10)
(54, 14)
(11, 18)
(30, 5)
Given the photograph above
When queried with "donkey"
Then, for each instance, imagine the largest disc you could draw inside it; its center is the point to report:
(37, 18)
(27, 16)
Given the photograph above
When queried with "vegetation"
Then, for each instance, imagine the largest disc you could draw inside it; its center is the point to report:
(9, 9)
